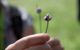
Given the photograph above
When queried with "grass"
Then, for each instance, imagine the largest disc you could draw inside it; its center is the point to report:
(64, 24)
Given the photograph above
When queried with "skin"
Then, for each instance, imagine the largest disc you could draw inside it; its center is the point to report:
(29, 31)
(43, 42)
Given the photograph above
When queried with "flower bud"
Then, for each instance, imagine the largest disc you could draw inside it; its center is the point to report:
(47, 17)
(38, 10)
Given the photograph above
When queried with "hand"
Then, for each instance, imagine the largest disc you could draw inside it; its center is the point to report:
(34, 42)
(55, 44)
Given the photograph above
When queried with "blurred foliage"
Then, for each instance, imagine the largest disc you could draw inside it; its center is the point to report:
(64, 24)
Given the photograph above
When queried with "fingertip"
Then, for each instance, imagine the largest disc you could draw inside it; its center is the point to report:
(47, 36)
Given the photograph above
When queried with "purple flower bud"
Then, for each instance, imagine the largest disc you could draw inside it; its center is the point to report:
(47, 17)
(38, 10)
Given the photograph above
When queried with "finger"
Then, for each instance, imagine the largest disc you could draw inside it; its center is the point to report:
(40, 47)
(29, 41)
(53, 42)
(57, 48)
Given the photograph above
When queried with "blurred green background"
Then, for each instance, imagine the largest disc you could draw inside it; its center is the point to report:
(64, 24)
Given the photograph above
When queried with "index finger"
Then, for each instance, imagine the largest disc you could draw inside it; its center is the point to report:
(29, 41)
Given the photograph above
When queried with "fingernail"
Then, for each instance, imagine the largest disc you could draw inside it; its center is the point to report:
(48, 47)
(47, 37)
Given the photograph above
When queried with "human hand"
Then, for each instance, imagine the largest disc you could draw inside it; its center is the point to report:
(55, 44)
(34, 42)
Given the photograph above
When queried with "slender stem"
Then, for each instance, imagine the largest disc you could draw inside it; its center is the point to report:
(40, 23)
(47, 27)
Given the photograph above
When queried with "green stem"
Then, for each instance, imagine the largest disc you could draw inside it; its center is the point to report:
(47, 27)
(40, 23)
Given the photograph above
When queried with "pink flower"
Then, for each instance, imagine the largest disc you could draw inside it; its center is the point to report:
(47, 17)
(38, 10)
